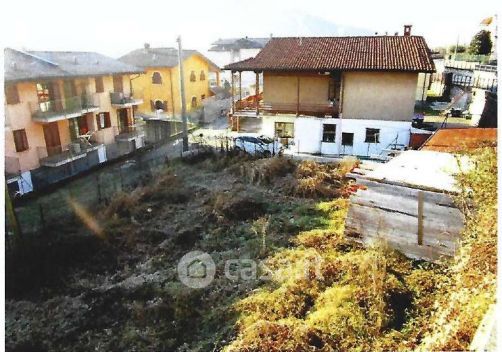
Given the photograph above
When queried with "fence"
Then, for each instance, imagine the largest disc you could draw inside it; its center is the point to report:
(90, 191)
(447, 80)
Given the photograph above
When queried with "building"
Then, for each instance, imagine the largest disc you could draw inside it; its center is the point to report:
(161, 84)
(65, 112)
(228, 51)
(337, 95)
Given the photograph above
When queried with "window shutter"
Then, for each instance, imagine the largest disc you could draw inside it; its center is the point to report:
(11, 94)
(152, 105)
(20, 140)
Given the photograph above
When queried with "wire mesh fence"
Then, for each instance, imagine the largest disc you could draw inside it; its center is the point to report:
(90, 191)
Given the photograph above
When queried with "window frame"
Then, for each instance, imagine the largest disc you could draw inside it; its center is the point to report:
(21, 137)
(192, 105)
(351, 139)
(107, 120)
(156, 78)
(99, 84)
(202, 75)
(193, 77)
(325, 133)
(371, 132)
(11, 94)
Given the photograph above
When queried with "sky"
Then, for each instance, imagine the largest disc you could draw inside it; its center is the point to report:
(115, 27)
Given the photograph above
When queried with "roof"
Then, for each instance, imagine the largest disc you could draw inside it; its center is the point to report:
(422, 169)
(159, 57)
(487, 21)
(376, 53)
(29, 65)
(238, 43)
(458, 139)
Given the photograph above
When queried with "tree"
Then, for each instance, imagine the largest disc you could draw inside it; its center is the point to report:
(481, 43)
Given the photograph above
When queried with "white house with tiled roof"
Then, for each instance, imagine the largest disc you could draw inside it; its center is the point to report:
(337, 95)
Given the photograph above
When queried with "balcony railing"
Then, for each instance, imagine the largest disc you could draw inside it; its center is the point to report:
(58, 109)
(127, 133)
(90, 102)
(327, 109)
(60, 155)
(126, 100)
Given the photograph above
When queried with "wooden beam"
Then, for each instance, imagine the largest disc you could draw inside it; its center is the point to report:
(233, 91)
(257, 91)
(240, 86)
(297, 95)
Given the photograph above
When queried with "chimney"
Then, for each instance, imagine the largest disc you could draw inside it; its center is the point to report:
(407, 30)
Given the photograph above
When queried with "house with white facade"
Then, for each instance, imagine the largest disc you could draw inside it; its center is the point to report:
(337, 95)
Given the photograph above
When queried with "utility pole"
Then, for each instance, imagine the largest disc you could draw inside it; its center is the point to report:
(182, 91)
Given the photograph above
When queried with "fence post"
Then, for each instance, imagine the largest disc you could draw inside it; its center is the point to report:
(420, 218)
(121, 179)
(42, 216)
(11, 215)
(98, 186)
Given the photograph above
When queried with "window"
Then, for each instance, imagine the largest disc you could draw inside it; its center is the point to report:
(20, 140)
(118, 84)
(192, 77)
(103, 120)
(347, 139)
(11, 94)
(43, 92)
(372, 135)
(284, 129)
(328, 133)
(202, 97)
(202, 76)
(156, 78)
(194, 102)
(100, 88)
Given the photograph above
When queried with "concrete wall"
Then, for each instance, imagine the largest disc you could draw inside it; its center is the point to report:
(171, 94)
(379, 95)
(309, 131)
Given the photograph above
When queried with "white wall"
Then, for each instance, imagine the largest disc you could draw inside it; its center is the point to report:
(268, 123)
(308, 135)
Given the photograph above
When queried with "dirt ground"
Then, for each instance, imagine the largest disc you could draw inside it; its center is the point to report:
(106, 279)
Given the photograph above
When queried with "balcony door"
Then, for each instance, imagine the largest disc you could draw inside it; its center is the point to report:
(52, 140)
(70, 95)
(124, 122)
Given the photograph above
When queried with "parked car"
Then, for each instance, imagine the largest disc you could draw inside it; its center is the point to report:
(254, 144)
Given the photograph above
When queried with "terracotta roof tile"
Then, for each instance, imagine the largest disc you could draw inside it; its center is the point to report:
(396, 53)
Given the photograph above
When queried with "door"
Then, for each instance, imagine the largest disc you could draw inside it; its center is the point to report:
(52, 141)
(118, 84)
(123, 120)
(70, 96)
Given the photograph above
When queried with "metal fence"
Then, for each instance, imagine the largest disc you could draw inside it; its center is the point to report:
(90, 191)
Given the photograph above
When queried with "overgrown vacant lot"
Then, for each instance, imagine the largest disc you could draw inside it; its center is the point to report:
(112, 283)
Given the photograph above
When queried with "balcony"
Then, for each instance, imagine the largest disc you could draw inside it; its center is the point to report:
(123, 100)
(56, 110)
(90, 103)
(61, 155)
(128, 133)
(248, 107)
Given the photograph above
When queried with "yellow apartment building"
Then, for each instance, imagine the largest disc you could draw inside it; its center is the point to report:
(161, 83)
(65, 112)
